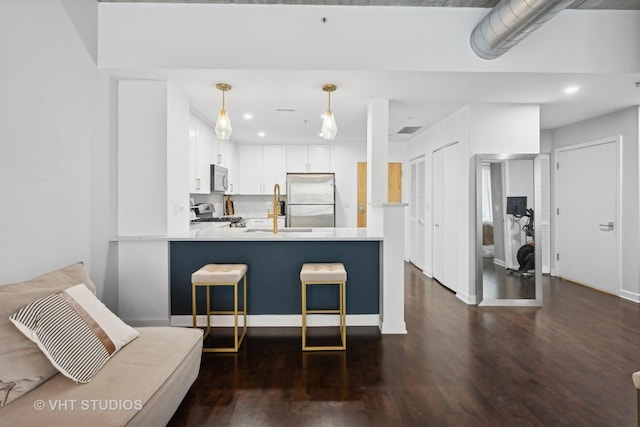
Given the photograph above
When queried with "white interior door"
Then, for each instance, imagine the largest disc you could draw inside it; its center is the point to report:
(446, 214)
(587, 198)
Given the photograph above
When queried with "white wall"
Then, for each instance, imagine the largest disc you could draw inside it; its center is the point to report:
(481, 128)
(153, 159)
(139, 35)
(177, 162)
(626, 124)
(142, 158)
(345, 161)
(48, 82)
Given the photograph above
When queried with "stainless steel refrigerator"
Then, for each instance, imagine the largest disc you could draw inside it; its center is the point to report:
(311, 200)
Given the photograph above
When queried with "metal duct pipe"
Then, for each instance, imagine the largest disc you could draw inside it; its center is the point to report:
(511, 21)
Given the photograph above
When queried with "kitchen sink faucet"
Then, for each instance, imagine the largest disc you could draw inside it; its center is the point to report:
(276, 207)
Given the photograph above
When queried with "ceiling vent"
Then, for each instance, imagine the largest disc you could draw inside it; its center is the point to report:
(409, 130)
(285, 110)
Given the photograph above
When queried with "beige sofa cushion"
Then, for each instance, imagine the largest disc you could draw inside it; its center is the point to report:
(22, 364)
(75, 330)
(142, 385)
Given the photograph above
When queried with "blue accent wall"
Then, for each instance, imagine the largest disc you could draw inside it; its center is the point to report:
(273, 278)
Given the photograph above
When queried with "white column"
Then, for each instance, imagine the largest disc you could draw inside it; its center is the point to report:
(377, 159)
(387, 218)
(392, 289)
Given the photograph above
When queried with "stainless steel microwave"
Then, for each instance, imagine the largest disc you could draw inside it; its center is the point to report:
(219, 179)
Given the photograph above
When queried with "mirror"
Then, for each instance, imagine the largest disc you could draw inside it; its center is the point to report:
(508, 265)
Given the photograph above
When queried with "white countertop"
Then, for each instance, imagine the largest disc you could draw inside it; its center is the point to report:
(218, 232)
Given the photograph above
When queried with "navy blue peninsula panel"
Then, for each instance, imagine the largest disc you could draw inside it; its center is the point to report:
(273, 278)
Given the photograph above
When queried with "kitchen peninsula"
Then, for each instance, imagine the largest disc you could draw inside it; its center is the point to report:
(274, 260)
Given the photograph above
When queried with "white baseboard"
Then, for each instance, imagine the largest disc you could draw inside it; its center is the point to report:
(499, 262)
(467, 299)
(279, 320)
(148, 322)
(631, 296)
(393, 328)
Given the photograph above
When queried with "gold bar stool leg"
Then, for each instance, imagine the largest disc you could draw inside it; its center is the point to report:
(324, 274)
(304, 315)
(193, 303)
(222, 275)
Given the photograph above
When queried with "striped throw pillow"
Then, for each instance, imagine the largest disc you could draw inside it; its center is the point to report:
(75, 330)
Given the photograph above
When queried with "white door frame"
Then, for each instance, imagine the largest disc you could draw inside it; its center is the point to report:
(413, 221)
(617, 141)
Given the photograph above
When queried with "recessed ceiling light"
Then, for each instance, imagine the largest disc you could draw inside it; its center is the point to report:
(261, 134)
(247, 116)
(320, 134)
(571, 89)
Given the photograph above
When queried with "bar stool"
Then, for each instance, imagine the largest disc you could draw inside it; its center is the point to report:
(324, 274)
(221, 275)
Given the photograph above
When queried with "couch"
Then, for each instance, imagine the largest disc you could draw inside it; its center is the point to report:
(140, 385)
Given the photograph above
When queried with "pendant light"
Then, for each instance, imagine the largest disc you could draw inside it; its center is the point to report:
(223, 124)
(329, 128)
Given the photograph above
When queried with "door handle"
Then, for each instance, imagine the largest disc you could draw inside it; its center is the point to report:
(607, 227)
(361, 207)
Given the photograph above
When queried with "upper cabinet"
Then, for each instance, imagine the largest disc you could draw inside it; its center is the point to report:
(260, 168)
(200, 154)
(308, 158)
(226, 155)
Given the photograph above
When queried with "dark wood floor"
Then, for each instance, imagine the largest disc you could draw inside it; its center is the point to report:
(568, 363)
(499, 284)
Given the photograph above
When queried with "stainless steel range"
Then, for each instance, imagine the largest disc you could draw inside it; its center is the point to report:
(236, 221)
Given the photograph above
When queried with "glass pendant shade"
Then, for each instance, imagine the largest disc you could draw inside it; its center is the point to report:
(329, 127)
(223, 126)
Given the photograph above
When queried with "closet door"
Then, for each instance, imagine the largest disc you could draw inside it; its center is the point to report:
(446, 214)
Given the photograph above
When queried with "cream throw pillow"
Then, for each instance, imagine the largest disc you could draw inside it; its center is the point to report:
(22, 365)
(75, 330)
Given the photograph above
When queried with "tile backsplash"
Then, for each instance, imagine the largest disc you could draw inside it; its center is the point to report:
(246, 206)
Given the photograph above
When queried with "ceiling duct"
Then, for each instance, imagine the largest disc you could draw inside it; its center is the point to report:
(511, 21)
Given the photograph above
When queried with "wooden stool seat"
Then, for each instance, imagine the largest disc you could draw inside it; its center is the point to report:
(221, 275)
(324, 274)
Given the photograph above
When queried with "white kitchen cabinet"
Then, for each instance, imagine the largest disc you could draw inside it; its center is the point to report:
(308, 158)
(200, 142)
(320, 158)
(230, 161)
(297, 158)
(260, 167)
(274, 168)
(250, 169)
(225, 154)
